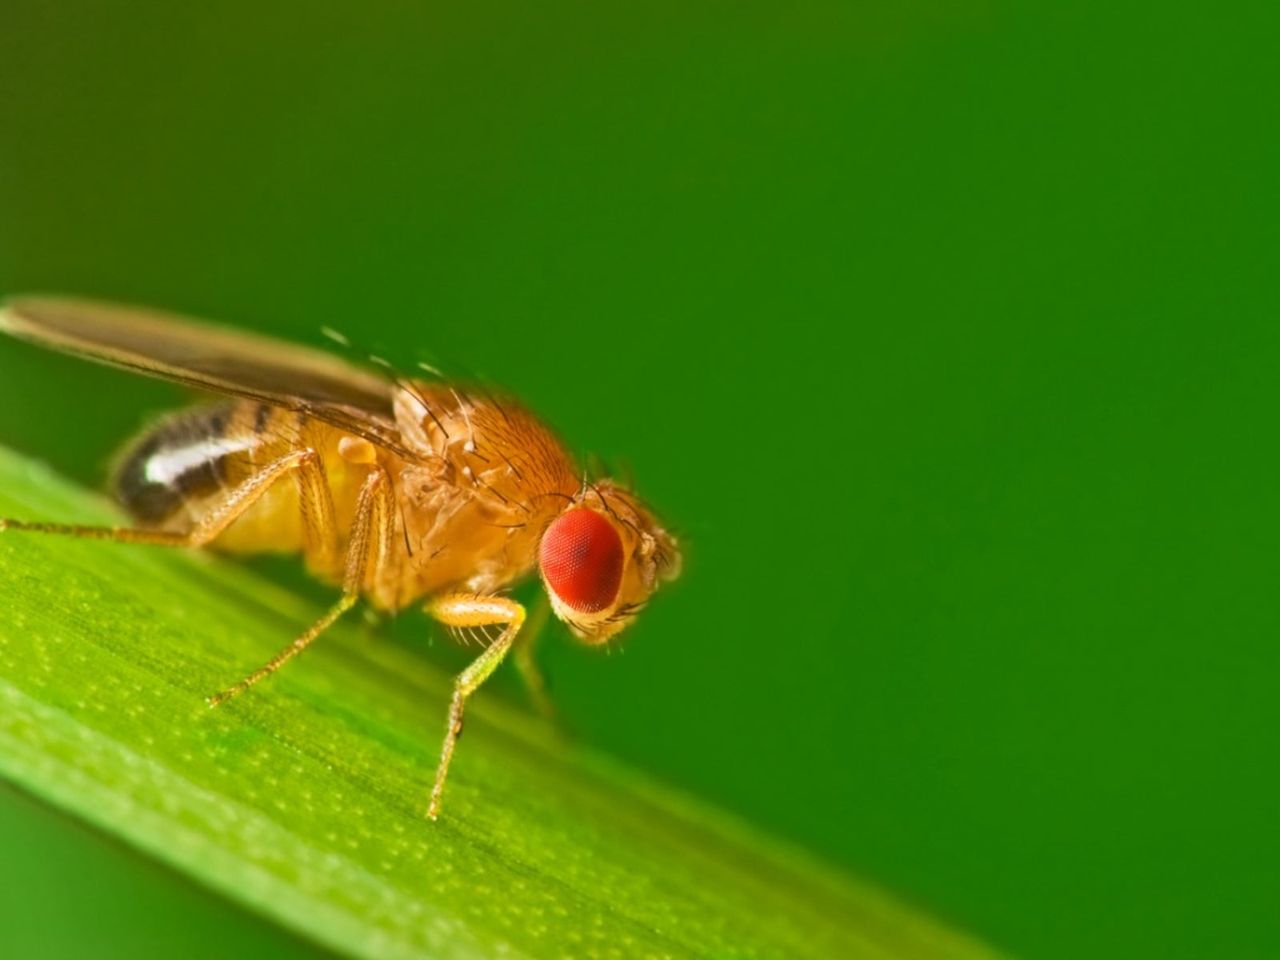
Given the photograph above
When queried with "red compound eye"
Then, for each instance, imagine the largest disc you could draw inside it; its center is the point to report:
(581, 557)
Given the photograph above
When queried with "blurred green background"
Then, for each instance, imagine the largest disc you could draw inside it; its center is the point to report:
(946, 334)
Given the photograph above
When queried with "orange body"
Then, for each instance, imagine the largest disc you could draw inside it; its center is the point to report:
(395, 490)
(470, 507)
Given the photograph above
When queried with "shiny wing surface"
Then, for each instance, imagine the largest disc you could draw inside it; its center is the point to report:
(211, 358)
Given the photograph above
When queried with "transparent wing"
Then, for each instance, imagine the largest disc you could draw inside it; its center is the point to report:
(211, 358)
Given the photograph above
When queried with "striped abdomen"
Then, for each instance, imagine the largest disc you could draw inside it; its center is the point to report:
(181, 463)
(187, 465)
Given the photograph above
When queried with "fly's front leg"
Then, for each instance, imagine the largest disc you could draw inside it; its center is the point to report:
(366, 553)
(469, 610)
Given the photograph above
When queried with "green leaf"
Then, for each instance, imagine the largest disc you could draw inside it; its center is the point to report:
(304, 799)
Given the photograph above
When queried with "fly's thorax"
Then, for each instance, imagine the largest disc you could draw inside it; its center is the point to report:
(488, 479)
(490, 443)
(459, 540)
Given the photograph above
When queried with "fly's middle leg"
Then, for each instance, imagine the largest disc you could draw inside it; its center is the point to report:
(366, 550)
(371, 533)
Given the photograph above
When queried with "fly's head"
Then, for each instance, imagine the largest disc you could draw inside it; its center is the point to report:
(602, 558)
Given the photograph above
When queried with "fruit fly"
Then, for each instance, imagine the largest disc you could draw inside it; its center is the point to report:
(399, 491)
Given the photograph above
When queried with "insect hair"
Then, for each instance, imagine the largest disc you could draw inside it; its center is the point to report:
(394, 375)
(604, 502)
(514, 468)
(492, 397)
(555, 493)
(470, 445)
(627, 611)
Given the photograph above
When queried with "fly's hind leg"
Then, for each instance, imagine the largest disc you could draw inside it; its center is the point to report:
(317, 510)
(469, 610)
(366, 554)
(318, 523)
